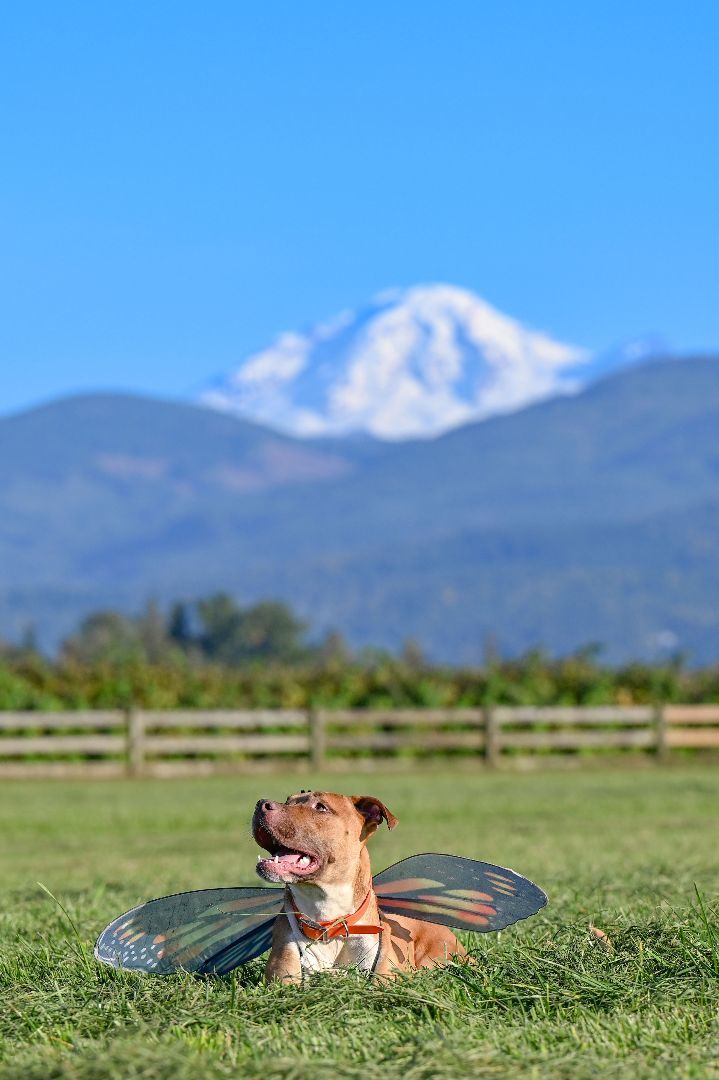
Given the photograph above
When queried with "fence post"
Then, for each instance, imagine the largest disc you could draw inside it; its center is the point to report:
(318, 741)
(660, 728)
(135, 733)
(492, 748)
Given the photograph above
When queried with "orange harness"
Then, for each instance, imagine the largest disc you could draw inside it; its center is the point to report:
(326, 929)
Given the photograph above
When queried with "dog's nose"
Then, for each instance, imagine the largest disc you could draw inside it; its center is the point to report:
(266, 804)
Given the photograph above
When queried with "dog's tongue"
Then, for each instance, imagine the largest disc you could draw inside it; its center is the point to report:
(291, 859)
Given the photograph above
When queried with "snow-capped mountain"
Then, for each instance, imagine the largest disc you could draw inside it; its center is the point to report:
(414, 362)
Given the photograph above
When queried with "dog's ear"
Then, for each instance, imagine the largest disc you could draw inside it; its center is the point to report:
(374, 813)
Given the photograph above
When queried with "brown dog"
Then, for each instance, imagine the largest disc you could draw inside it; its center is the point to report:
(317, 847)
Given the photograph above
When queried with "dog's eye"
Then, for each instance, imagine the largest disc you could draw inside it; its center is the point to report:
(322, 808)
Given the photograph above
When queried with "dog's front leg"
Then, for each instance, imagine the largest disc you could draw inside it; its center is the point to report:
(283, 964)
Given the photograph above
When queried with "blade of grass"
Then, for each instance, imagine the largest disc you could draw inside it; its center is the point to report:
(711, 931)
(73, 925)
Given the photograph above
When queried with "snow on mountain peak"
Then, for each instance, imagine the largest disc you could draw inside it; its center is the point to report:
(414, 362)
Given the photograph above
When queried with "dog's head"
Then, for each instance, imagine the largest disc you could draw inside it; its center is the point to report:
(315, 836)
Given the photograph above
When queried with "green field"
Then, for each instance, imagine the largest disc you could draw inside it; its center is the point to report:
(622, 850)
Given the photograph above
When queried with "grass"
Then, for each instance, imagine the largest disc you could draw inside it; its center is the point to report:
(618, 850)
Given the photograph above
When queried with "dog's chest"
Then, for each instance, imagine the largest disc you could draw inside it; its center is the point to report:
(358, 951)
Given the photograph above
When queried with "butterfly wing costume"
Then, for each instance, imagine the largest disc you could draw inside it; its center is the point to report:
(212, 931)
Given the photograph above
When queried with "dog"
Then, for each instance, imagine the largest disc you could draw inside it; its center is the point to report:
(316, 844)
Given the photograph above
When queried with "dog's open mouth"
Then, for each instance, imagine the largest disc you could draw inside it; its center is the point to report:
(297, 862)
(283, 859)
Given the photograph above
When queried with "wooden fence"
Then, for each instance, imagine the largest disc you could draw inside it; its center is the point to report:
(149, 743)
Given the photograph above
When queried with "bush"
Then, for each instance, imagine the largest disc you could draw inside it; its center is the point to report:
(28, 681)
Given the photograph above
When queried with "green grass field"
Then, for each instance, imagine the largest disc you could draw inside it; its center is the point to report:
(622, 850)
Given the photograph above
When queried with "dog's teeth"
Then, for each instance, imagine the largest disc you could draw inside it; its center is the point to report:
(304, 861)
(276, 858)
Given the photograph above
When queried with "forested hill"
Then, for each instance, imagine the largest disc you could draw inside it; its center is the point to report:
(585, 518)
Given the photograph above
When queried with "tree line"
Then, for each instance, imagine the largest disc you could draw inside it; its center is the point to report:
(217, 653)
(215, 629)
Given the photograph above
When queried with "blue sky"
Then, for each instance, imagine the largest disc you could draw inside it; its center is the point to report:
(180, 181)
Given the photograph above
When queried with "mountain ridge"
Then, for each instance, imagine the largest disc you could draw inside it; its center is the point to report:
(598, 509)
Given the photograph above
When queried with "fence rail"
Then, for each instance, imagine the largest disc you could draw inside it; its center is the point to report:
(151, 743)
